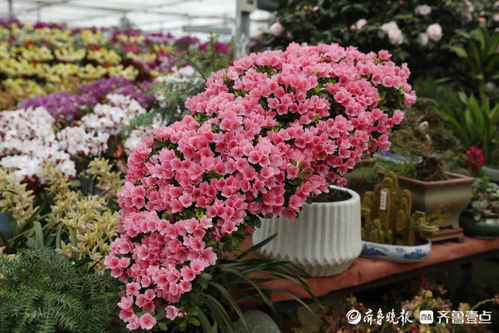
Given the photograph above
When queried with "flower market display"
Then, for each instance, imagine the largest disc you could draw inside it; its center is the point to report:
(152, 181)
(44, 58)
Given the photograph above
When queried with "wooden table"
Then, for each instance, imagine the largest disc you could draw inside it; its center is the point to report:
(369, 273)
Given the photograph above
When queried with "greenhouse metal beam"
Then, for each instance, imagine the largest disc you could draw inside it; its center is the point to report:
(122, 9)
(207, 29)
(11, 7)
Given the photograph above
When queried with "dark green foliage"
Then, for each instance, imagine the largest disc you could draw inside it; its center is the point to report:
(321, 21)
(481, 57)
(42, 291)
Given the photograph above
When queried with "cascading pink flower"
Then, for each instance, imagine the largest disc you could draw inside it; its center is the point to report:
(268, 133)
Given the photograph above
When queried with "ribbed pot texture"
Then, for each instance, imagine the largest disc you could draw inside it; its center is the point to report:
(324, 240)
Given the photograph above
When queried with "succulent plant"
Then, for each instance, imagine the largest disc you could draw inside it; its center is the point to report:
(485, 199)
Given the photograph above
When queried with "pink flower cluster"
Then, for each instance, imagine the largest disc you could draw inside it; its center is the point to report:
(268, 133)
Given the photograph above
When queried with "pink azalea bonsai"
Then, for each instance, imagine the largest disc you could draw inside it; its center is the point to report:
(269, 132)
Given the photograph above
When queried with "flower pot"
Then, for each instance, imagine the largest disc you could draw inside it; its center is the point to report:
(491, 173)
(451, 196)
(396, 253)
(487, 228)
(5, 226)
(324, 240)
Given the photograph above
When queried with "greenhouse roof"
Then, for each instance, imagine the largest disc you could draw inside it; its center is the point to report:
(176, 16)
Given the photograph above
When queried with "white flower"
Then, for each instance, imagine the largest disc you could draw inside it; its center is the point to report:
(469, 8)
(77, 141)
(138, 133)
(496, 17)
(490, 86)
(392, 25)
(181, 74)
(276, 29)
(27, 139)
(112, 118)
(423, 39)
(434, 32)
(360, 23)
(422, 10)
(396, 37)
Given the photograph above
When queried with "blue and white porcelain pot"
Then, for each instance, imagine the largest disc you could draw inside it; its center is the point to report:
(396, 253)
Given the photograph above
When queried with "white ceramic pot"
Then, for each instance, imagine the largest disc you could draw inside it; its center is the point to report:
(324, 240)
(492, 173)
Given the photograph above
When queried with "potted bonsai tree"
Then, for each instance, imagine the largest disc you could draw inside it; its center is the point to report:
(426, 139)
(482, 216)
(268, 133)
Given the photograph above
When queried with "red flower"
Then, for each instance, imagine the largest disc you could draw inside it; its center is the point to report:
(475, 159)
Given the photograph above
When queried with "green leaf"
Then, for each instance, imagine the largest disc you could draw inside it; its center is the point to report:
(231, 301)
(459, 51)
(256, 246)
(250, 281)
(194, 321)
(205, 323)
(219, 311)
(38, 235)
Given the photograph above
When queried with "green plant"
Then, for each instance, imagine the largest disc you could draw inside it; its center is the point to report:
(172, 91)
(42, 291)
(66, 215)
(424, 141)
(360, 23)
(217, 299)
(485, 199)
(481, 57)
(474, 125)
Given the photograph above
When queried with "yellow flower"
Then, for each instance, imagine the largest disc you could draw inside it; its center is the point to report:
(104, 56)
(69, 54)
(15, 198)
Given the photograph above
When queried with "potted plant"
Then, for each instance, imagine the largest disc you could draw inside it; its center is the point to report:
(391, 230)
(268, 133)
(426, 140)
(334, 219)
(482, 217)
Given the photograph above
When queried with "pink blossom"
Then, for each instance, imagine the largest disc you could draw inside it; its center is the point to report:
(147, 321)
(171, 312)
(280, 126)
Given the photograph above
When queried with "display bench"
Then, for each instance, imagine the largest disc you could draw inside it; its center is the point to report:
(365, 273)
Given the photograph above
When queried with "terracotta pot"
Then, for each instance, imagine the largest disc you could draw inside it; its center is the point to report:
(451, 196)
(324, 240)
